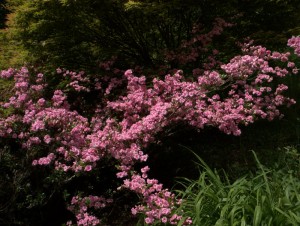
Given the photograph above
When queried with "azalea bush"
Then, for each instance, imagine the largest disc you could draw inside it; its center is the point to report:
(92, 123)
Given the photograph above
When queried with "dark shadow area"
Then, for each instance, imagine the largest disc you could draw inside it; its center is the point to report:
(174, 157)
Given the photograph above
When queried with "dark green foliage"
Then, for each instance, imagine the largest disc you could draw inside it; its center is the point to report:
(79, 34)
(29, 196)
(270, 22)
(169, 159)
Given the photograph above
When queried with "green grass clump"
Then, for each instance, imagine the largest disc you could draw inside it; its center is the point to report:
(270, 196)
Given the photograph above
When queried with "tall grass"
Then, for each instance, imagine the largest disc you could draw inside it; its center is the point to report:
(270, 196)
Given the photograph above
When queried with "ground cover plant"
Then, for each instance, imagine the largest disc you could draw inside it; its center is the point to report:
(269, 196)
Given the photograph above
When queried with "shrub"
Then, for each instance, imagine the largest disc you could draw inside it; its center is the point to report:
(63, 134)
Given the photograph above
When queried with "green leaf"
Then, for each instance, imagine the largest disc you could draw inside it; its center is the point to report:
(257, 216)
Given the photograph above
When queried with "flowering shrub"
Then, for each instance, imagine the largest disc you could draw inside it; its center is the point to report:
(234, 94)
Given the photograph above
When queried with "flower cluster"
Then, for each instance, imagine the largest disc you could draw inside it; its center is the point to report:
(191, 50)
(294, 42)
(81, 205)
(160, 202)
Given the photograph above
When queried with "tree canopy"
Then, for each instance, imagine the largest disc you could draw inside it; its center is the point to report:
(80, 34)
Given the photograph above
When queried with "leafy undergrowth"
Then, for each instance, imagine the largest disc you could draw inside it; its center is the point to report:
(268, 196)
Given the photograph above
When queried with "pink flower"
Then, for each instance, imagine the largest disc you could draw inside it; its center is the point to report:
(149, 220)
(88, 168)
(47, 139)
(122, 174)
(41, 102)
(145, 169)
(58, 71)
(37, 125)
(164, 220)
